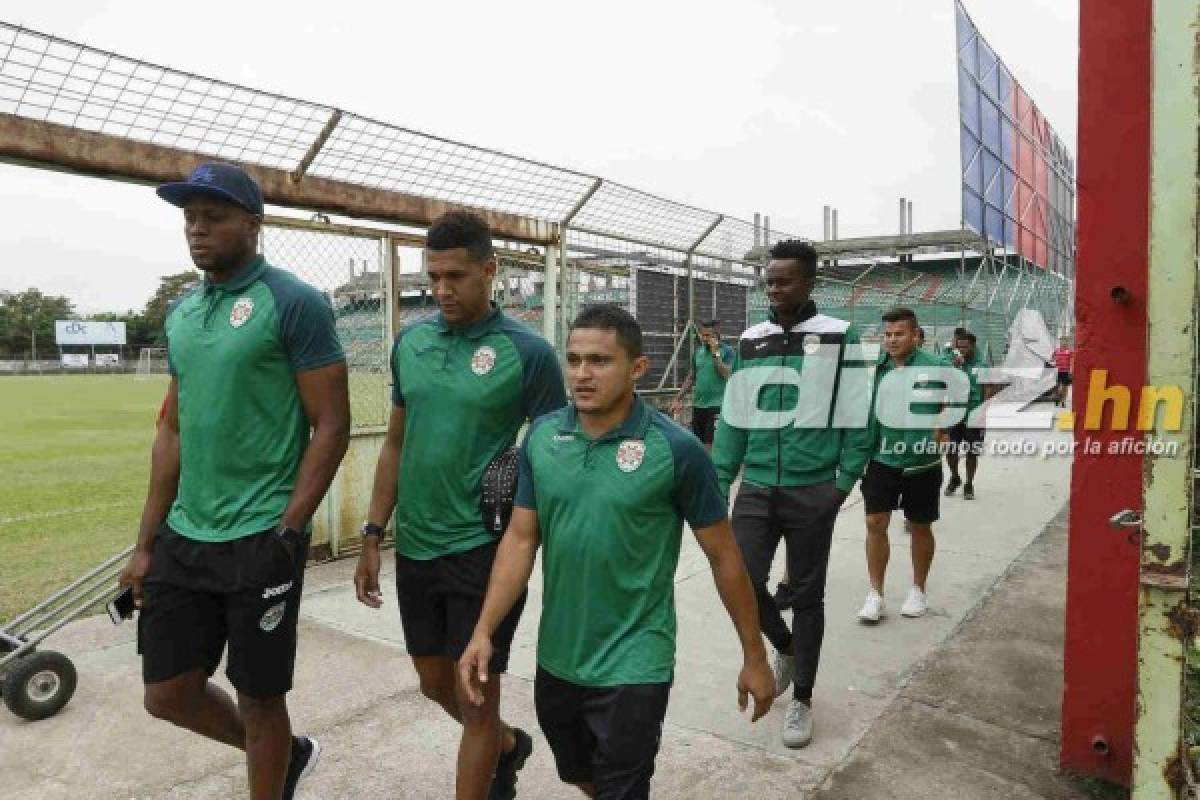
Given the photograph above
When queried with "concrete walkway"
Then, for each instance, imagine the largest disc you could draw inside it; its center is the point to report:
(356, 690)
(981, 716)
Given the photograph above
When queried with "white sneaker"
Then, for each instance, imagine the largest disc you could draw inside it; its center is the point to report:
(797, 725)
(872, 610)
(784, 668)
(914, 604)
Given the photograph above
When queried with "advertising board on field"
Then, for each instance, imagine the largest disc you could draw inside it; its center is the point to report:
(84, 332)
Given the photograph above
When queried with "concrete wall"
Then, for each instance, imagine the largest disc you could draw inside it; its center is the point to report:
(341, 514)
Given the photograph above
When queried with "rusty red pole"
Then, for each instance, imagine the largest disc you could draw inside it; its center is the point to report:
(1100, 654)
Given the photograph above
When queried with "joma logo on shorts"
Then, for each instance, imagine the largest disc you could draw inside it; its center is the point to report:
(275, 591)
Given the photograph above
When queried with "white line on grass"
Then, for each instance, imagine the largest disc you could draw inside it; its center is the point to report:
(60, 513)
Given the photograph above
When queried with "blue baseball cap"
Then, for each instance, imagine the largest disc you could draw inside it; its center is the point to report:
(219, 179)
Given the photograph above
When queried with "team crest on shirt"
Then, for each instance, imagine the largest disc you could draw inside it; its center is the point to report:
(811, 343)
(242, 309)
(270, 620)
(630, 454)
(483, 361)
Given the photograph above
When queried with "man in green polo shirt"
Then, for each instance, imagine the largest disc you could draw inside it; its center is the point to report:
(967, 436)
(255, 422)
(606, 485)
(711, 365)
(905, 471)
(464, 383)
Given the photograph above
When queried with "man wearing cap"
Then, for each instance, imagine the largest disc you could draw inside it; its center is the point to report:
(256, 422)
(464, 382)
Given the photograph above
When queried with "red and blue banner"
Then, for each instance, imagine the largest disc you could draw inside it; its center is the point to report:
(1018, 178)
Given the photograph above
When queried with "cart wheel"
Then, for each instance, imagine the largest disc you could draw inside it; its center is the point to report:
(39, 685)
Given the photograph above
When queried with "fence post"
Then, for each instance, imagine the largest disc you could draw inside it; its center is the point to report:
(550, 290)
(568, 297)
(1160, 762)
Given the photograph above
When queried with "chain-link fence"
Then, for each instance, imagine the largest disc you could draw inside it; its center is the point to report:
(573, 238)
(348, 268)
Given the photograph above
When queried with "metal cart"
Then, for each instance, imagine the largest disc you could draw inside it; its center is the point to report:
(37, 683)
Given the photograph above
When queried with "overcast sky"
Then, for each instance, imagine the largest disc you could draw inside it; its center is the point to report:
(777, 106)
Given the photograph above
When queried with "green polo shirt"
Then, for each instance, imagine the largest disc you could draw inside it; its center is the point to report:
(234, 349)
(466, 393)
(710, 384)
(910, 449)
(611, 513)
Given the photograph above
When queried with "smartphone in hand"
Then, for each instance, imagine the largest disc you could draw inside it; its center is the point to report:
(121, 607)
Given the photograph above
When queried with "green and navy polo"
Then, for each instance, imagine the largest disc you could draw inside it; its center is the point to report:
(710, 385)
(611, 513)
(466, 393)
(234, 349)
(913, 449)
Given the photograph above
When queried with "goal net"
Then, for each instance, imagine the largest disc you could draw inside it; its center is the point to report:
(151, 361)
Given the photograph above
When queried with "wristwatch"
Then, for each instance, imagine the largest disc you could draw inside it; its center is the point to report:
(371, 529)
(284, 530)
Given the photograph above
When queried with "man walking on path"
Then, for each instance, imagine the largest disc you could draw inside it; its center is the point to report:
(1063, 357)
(967, 436)
(255, 423)
(463, 383)
(905, 471)
(712, 364)
(605, 485)
(798, 472)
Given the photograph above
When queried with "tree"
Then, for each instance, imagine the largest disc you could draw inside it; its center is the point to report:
(28, 316)
(170, 288)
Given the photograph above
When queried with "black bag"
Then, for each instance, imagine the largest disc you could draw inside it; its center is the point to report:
(498, 491)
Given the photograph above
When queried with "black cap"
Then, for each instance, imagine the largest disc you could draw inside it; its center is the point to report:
(219, 179)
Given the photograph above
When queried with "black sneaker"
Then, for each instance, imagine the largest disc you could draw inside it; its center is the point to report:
(968, 492)
(953, 485)
(305, 752)
(504, 782)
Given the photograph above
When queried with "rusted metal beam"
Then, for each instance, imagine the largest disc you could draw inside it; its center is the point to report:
(47, 145)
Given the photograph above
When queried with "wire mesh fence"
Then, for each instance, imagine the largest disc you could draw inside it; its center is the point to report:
(614, 238)
(349, 270)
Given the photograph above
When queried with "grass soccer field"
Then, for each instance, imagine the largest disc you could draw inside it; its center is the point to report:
(74, 464)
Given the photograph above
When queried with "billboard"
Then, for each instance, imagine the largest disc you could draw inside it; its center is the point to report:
(1018, 177)
(81, 332)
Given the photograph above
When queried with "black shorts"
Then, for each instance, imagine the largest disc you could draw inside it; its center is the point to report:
(1064, 379)
(607, 737)
(967, 440)
(704, 423)
(440, 600)
(199, 596)
(887, 488)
